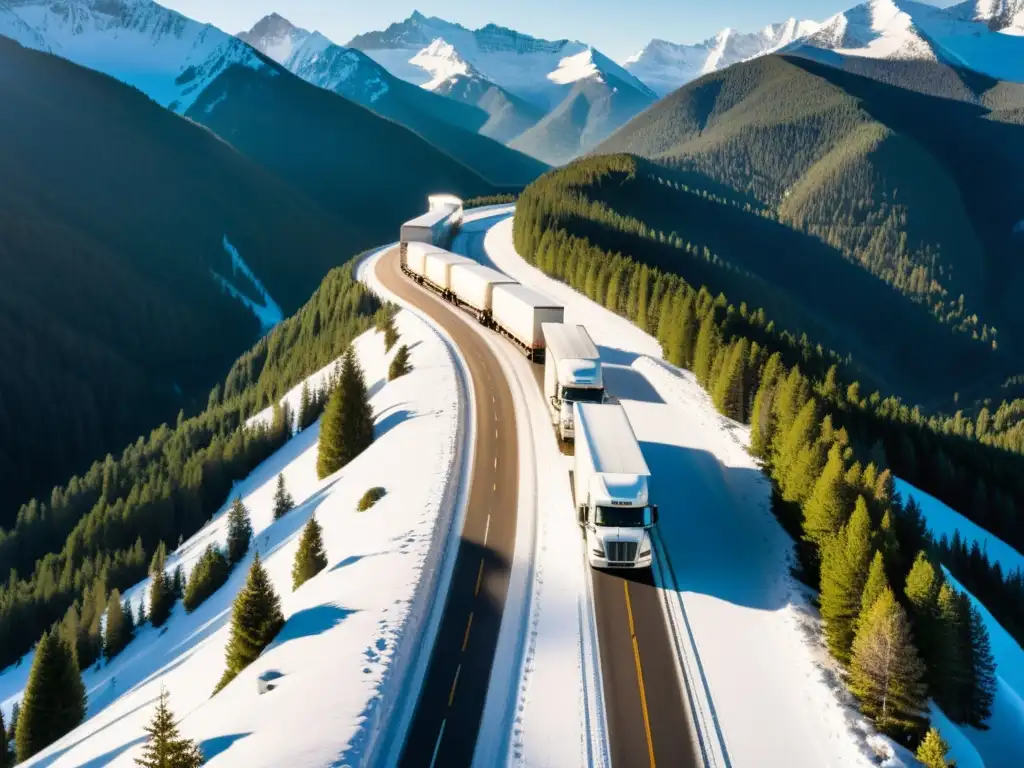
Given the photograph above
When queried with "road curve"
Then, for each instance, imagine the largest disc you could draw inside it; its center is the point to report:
(650, 721)
(447, 719)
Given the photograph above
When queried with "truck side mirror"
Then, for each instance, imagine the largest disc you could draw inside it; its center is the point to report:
(654, 514)
(581, 514)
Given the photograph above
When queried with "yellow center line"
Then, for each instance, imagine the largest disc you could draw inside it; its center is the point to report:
(479, 576)
(639, 675)
(465, 640)
(451, 696)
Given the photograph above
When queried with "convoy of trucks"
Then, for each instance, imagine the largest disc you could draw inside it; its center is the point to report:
(610, 479)
(610, 475)
(572, 373)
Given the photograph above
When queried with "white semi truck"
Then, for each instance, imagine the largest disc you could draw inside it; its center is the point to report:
(473, 286)
(610, 481)
(572, 373)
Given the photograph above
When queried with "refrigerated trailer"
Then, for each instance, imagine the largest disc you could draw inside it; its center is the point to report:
(611, 488)
(519, 312)
(414, 258)
(572, 373)
(438, 270)
(473, 286)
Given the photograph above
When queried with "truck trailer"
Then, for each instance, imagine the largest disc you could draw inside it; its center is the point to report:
(518, 312)
(438, 270)
(610, 484)
(414, 258)
(572, 373)
(433, 227)
(473, 285)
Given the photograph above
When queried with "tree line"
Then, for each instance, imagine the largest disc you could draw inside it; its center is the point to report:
(103, 527)
(809, 424)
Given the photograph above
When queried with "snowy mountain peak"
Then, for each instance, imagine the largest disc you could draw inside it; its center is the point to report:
(444, 64)
(1000, 15)
(168, 56)
(275, 37)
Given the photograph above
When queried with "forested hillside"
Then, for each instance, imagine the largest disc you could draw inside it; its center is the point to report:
(862, 166)
(98, 531)
(113, 219)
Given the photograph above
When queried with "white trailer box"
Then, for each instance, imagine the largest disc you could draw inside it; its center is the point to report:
(519, 312)
(572, 373)
(415, 257)
(439, 266)
(610, 483)
(432, 227)
(473, 285)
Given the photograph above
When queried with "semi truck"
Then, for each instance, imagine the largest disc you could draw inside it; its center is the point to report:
(414, 258)
(572, 373)
(610, 485)
(438, 270)
(519, 312)
(473, 285)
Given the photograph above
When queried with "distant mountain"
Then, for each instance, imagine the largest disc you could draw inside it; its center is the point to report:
(665, 66)
(986, 36)
(520, 80)
(918, 187)
(139, 255)
(368, 171)
(450, 124)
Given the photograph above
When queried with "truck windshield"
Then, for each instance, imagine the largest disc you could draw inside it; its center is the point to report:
(581, 395)
(620, 517)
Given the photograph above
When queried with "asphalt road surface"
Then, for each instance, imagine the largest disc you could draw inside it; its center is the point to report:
(447, 719)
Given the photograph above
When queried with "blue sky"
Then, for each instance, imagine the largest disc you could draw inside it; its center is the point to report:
(619, 28)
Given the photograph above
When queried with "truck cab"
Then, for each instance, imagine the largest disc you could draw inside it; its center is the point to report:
(611, 487)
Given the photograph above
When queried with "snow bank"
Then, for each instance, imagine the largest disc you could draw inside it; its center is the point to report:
(942, 520)
(347, 630)
(771, 693)
(1003, 743)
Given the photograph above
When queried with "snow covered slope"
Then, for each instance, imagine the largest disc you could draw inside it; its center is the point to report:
(665, 66)
(349, 630)
(167, 56)
(517, 78)
(768, 677)
(984, 35)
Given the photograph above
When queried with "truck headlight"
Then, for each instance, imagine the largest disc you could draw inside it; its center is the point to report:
(644, 553)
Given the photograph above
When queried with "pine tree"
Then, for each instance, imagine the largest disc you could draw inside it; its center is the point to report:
(390, 332)
(12, 729)
(239, 531)
(178, 582)
(306, 415)
(161, 589)
(400, 364)
(283, 501)
(346, 429)
(825, 510)
(730, 396)
(952, 687)
(708, 341)
(885, 671)
(207, 576)
(922, 592)
(118, 630)
(165, 747)
(54, 700)
(5, 748)
(142, 618)
(933, 750)
(310, 557)
(256, 619)
(844, 572)
(875, 585)
(982, 665)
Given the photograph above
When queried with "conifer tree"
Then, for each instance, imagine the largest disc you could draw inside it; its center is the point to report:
(346, 429)
(283, 501)
(886, 674)
(400, 364)
(161, 588)
(952, 687)
(117, 633)
(730, 396)
(207, 576)
(922, 592)
(306, 414)
(825, 510)
(933, 750)
(875, 585)
(844, 572)
(12, 729)
(390, 332)
(708, 342)
(256, 619)
(889, 545)
(142, 617)
(310, 557)
(239, 531)
(762, 418)
(54, 700)
(982, 665)
(5, 748)
(165, 747)
(178, 582)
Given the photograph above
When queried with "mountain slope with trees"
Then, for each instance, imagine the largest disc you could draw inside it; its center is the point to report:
(117, 224)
